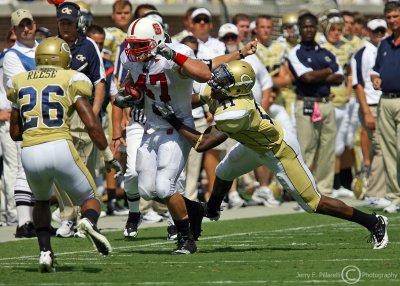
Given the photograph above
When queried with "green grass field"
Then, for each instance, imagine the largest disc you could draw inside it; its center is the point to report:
(289, 249)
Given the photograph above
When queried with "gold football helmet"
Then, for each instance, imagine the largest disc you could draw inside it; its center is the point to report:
(328, 18)
(53, 51)
(233, 79)
(290, 20)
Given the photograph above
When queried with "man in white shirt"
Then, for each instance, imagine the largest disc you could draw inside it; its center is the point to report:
(209, 47)
(9, 150)
(20, 58)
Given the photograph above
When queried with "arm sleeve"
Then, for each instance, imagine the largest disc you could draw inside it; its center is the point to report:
(96, 67)
(298, 67)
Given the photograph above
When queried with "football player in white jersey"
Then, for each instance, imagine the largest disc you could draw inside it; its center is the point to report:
(163, 152)
(165, 73)
(42, 102)
(262, 142)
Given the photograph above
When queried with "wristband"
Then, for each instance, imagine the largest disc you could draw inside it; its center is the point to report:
(198, 141)
(241, 55)
(180, 59)
(116, 138)
(108, 155)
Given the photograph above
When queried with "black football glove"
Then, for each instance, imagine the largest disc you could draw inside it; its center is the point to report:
(114, 164)
(163, 110)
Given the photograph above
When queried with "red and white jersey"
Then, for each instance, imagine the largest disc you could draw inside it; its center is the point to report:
(160, 80)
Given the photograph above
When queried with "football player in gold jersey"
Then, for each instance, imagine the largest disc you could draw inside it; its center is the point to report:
(332, 24)
(42, 101)
(262, 141)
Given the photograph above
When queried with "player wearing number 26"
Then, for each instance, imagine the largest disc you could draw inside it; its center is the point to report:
(42, 101)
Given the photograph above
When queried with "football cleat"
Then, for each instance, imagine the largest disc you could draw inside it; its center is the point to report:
(46, 262)
(212, 215)
(132, 224)
(185, 246)
(263, 195)
(25, 231)
(172, 232)
(379, 233)
(98, 240)
(66, 229)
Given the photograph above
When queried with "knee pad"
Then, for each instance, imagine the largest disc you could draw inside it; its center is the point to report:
(145, 194)
(131, 184)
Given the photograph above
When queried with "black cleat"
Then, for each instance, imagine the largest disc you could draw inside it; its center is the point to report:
(379, 233)
(212, 215)
(131, 227)
(26, 231)
(185, 246)
(172, 232)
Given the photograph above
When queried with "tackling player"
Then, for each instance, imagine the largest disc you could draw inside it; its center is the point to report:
(42, 101)
(262, 142)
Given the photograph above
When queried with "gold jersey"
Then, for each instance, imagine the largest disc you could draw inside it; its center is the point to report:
(242, 119)
(272, 56)
(114, 37)
(45, 99)
(354, 41)
(343, 52)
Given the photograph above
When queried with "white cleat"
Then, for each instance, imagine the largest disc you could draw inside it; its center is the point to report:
(263, 195)
(46, 262)
(379, 233)
(66, 229)
(99, 241)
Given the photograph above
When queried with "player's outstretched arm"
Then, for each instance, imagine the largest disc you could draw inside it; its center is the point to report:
(192, 68)
(199, 141)
(249, 49)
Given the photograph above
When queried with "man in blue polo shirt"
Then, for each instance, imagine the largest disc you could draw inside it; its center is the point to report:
(368, 98)
(86, 58)
(385, 76)
(315, 69)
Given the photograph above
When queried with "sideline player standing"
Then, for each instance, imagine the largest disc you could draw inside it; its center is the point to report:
(42, 101)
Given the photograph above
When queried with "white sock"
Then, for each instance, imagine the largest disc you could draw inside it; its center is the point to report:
(24, 214)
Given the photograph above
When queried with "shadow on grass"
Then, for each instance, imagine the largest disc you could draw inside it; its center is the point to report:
(68, 268)
(138, 239)
(148, 252)
(258, 249)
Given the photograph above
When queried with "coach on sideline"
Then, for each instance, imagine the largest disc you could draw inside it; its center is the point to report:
(385, 76)
(315, 69)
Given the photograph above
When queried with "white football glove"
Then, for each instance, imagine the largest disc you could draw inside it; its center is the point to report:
(165, 51)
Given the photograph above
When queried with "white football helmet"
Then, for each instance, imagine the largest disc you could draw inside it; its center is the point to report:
(143, 37)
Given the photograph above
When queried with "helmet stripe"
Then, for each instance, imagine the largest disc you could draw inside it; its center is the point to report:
(134, 25)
